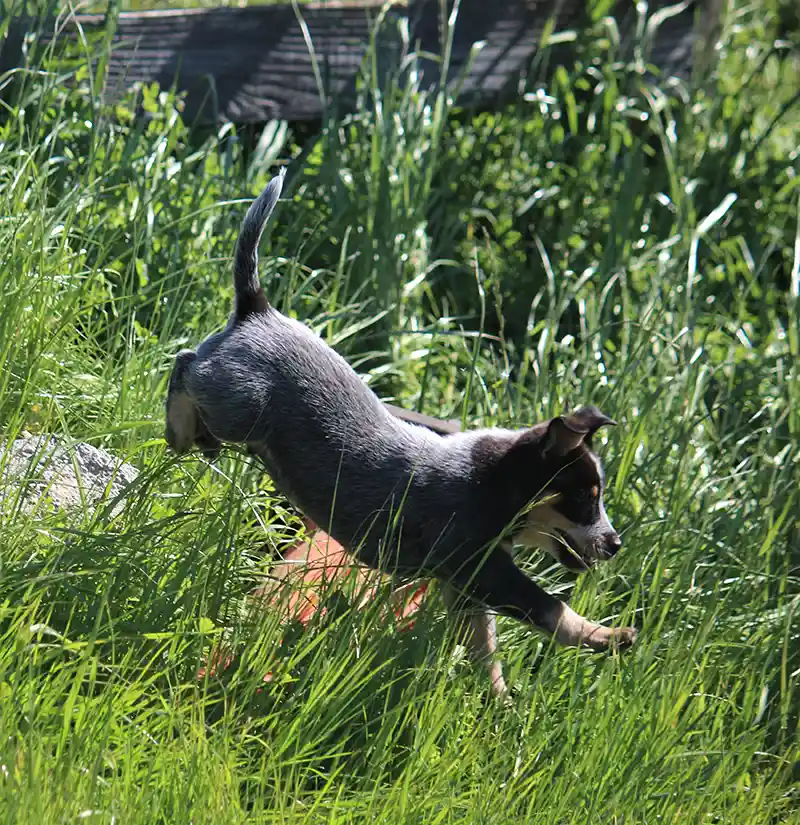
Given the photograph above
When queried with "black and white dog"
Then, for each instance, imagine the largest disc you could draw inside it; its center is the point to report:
(402, 498)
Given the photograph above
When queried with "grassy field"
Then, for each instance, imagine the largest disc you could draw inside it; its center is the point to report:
(633, 245)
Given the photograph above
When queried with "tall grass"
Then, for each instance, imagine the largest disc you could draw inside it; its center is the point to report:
(604, 240)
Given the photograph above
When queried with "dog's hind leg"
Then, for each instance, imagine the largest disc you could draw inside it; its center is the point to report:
(477, 631)
(185, 426)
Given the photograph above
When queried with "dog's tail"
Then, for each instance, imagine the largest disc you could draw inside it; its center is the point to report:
(250, 296)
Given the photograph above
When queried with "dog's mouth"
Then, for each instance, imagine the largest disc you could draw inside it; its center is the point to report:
(570, 555)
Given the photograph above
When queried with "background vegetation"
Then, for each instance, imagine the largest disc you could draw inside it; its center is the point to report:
(615, 237)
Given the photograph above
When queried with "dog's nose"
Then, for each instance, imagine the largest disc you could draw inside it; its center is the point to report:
(613, 544)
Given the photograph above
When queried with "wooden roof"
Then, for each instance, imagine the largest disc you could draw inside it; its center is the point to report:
(253, 64)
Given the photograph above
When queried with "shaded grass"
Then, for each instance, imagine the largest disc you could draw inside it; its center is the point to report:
(412, 241)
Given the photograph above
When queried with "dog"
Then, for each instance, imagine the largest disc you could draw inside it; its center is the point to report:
(403, 498)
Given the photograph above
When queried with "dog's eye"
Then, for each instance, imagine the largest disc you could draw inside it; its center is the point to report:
(594, 493)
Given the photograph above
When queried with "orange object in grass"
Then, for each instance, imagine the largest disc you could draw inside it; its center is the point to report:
(308, 568)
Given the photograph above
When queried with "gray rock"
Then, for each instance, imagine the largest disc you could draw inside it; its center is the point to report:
(65, 474)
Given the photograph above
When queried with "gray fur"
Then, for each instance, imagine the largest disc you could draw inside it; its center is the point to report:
(401, 497)
(330, 445)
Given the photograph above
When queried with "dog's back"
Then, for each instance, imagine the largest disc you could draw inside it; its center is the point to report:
(332, 448)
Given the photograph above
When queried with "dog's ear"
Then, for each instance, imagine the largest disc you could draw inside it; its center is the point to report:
(563, 436)
(590, 419)
(567, 433)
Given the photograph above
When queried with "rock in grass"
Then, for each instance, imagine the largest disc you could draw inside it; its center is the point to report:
(38, 469)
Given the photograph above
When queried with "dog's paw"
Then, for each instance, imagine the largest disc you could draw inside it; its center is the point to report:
(601, 638)
(500, 691)
(623, 637)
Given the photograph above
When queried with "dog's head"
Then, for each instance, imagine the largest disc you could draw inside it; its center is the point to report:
(566, 516)
(185, 426)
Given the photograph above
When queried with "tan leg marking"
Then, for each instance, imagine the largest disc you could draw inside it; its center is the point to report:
(573, 630)
(181, 422)
(477, 631)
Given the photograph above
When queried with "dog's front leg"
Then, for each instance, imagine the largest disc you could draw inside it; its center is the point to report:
(477, 631)
(500, 585)
(573, 630)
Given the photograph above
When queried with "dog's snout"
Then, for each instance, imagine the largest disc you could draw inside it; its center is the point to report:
(613, 545)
